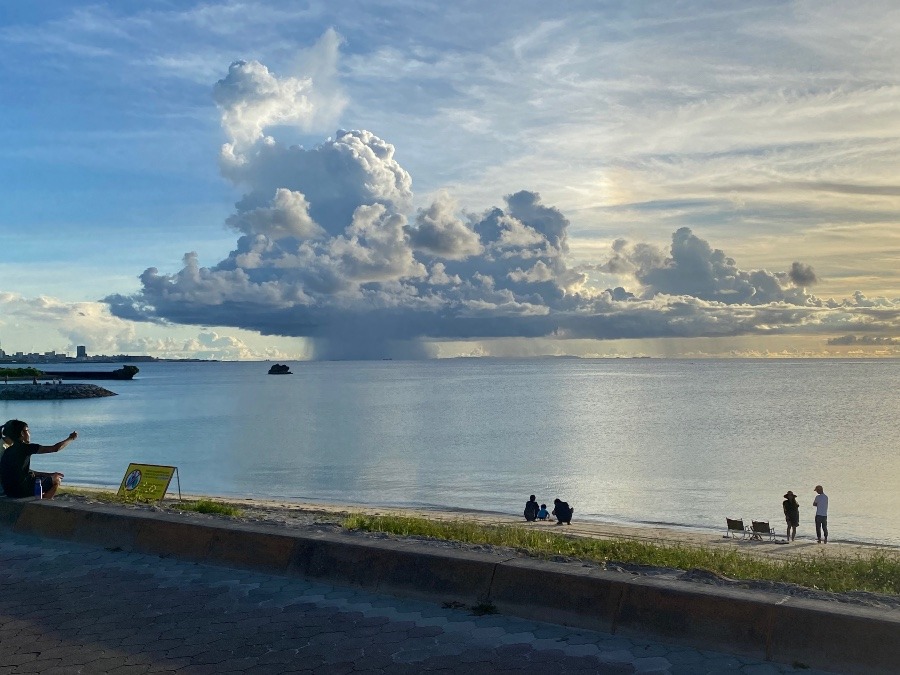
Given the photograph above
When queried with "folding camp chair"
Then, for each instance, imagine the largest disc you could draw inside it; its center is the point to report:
(760, 529)
(735, 528)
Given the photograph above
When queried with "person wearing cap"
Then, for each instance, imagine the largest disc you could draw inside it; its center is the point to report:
(791, 514)
(821, 504)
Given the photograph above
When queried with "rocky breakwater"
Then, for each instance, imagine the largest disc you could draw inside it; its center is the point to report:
(51, 392)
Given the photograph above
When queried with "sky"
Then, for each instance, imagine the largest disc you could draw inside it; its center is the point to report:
(398, 179)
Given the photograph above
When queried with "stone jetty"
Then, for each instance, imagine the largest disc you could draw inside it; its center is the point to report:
(51, 392)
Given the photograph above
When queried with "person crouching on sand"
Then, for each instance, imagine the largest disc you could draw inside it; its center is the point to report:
(562, 511)
(16, 475)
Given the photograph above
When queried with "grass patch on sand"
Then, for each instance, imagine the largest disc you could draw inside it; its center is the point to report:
(207, 506)
(876, 573)
(200, 506)
(104, 496)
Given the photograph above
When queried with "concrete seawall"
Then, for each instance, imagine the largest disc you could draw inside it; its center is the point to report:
(820, 634)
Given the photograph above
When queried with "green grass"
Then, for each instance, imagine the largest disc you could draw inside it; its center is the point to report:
(207, 506)
(877, 573)
(105, 496)
(199, 506)
(21, 372)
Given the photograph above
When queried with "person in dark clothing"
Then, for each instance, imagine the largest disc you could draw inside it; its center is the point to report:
(16, 475)
(562, 511)
(791, 514)
(531, 509)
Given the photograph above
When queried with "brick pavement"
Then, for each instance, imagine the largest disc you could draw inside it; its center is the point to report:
(70, 608)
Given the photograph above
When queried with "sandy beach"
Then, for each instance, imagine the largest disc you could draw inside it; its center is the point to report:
(297, 514)
(654, 534)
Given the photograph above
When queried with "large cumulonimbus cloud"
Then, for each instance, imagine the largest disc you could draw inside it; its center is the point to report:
(329, 248)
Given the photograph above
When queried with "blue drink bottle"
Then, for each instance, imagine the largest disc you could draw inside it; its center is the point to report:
(38, 488)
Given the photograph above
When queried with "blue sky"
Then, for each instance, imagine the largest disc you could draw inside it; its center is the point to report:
(370, 179)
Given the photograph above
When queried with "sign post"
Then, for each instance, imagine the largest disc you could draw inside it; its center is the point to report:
(148, 482)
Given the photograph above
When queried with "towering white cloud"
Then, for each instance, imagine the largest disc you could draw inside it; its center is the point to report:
(353, 169)
(251, 98)
(286, 216)
(329, 249)
(440, 232)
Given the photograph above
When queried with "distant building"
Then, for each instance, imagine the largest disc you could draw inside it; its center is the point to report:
(81, 352)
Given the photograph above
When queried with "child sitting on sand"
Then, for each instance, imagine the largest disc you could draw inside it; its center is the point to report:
(543, 514)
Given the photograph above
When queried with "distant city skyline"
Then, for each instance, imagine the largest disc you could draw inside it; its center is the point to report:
(252, 180)
(81, 354)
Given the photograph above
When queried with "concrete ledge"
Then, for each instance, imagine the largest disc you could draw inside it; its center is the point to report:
(820, 634)
(399, 567)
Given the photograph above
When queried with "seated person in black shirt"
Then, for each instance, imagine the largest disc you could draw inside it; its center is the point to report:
(16, 475)
(531, 509)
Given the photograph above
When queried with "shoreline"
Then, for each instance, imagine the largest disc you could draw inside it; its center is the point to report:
(285, 511)
(668, 534)
(318, 449)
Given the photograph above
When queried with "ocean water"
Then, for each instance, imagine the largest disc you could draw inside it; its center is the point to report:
(639, 441)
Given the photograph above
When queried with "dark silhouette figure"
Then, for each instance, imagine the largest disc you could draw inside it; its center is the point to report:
(531, 509)
(562, 511)
(791, 514)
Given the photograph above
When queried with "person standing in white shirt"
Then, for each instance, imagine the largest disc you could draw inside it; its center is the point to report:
(821, 504)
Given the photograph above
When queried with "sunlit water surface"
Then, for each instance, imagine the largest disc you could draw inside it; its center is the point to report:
(633, 441)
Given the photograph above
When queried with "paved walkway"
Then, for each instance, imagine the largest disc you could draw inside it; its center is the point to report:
(70, 608)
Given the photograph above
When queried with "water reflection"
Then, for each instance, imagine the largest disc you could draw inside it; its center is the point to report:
(631, 440)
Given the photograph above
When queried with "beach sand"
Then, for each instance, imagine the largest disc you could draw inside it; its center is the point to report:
(651, 534)
(289, 512)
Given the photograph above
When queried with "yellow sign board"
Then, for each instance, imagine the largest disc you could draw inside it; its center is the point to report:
(146, 482)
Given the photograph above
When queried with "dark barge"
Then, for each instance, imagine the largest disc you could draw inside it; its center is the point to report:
(123, 373)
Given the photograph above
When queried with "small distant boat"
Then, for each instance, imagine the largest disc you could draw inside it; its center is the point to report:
(279, 369)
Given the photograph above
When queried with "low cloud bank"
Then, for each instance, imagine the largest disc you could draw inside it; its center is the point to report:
(865, 341)
(92, 324)
(329, 248)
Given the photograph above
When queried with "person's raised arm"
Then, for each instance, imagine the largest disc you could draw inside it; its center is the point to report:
(56, 447)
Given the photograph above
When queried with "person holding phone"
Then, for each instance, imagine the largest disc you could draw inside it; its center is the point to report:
(16, 476)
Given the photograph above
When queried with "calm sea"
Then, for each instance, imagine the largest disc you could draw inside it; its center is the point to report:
(632, 441)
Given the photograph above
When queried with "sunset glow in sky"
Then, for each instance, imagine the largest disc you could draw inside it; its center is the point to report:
(266, 179)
